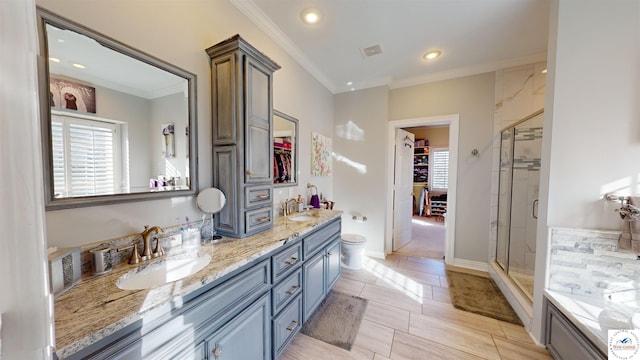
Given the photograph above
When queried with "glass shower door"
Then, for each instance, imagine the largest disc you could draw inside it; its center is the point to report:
(504, 198)
(520, 155)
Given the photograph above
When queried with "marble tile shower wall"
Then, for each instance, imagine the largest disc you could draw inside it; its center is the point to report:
(519, 91)
(588, 262)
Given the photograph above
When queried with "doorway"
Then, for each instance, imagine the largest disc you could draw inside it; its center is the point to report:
(449, 225)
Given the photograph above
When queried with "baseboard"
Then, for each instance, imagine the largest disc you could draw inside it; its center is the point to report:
(375, 254)
(473, 265)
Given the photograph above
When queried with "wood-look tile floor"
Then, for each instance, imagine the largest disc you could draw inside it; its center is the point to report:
(410, 316)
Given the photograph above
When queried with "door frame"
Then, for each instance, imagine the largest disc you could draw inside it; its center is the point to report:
(453, 120)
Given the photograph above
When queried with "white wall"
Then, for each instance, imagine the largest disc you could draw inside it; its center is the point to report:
(179, 32)
(593, 119)
(472, 98)
(25, 305)
(360, 163)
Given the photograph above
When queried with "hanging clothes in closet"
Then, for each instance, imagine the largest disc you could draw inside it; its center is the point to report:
(281, 166)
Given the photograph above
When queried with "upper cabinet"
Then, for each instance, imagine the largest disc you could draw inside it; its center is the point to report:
(242, 111)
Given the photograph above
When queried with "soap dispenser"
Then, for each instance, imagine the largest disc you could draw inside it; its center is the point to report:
(300, 203)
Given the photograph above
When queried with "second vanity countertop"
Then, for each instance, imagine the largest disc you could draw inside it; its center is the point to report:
(585, 313)
(96, 307)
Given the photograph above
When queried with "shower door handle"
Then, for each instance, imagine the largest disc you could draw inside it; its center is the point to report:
(533, 209)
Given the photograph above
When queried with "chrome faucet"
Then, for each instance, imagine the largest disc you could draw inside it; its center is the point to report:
(286, 208)
(147, 237)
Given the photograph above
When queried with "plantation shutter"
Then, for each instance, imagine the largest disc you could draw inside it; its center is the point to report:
(439, 169)
(83, 157)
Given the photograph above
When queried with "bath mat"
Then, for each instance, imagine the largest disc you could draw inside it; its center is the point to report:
(480, 295)
(337, 319)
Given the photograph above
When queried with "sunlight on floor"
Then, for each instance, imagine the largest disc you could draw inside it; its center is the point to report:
(423, 222)
(395, 280)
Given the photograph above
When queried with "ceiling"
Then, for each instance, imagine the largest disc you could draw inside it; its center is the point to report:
(474, 36)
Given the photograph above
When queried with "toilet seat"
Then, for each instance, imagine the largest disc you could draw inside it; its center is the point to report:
(353, 238)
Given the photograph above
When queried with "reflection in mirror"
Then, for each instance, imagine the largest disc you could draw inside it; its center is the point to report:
(118, 125)
(285, 145)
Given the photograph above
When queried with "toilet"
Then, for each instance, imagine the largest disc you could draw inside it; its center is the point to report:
(352, 250)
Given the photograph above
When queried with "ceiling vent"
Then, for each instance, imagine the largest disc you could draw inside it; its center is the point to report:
(371, 50)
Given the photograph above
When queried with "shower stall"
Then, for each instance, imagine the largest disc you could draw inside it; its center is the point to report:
(519, 182)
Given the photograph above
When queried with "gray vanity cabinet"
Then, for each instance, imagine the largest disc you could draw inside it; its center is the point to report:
(321, 267)
(242, 111)
(564, 340)
(247, 336)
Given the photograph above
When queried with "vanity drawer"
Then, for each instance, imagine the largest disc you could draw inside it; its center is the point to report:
(255, 196)
(286, 325)
(286, 290)
(258, 220)
(315, 240)
(285, 261)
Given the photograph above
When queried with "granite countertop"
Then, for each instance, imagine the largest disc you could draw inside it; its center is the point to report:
(96, 308)
(587, 314)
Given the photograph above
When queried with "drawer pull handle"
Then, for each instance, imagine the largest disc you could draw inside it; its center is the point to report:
(217, 352)
(262, 219)
(292, 290)
(293, 325)
(263, 196)
(291, 261)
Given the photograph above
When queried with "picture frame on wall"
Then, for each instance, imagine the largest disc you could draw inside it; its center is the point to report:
(71, 95)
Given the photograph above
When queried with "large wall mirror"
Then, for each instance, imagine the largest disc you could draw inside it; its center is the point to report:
(117, 124)
(285, 149)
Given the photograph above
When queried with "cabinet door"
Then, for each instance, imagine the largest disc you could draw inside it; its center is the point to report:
(333, 263)
(224, 100)
(259, 144)
(247, 336)
(225, 165)
(314, 289)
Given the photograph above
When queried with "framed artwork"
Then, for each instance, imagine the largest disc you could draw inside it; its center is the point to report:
(71, 95)
(169, 141)
(320, 155)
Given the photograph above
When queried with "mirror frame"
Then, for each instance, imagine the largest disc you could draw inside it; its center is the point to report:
(51, 203)
(296, 147)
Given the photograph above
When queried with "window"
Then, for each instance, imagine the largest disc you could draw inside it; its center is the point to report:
(85, 157)
(439, 169)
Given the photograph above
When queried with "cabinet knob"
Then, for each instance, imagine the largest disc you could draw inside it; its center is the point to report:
(250, 172)
(329, 253)
(217, 352)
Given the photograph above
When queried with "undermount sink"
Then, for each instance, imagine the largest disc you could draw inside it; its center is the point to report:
(300, 218)
(162, 272)
(630, 298)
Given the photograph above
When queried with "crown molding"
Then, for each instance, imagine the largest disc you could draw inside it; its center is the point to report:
(262, 21)
(468, 71)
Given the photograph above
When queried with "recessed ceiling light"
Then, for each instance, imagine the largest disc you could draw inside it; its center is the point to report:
(54, 59)
(432, 54)
(310, 16)
(544, 71)
(349, 83)
(79, 66)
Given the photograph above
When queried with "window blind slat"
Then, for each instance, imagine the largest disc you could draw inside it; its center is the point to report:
(440, 169)
(90, 162)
